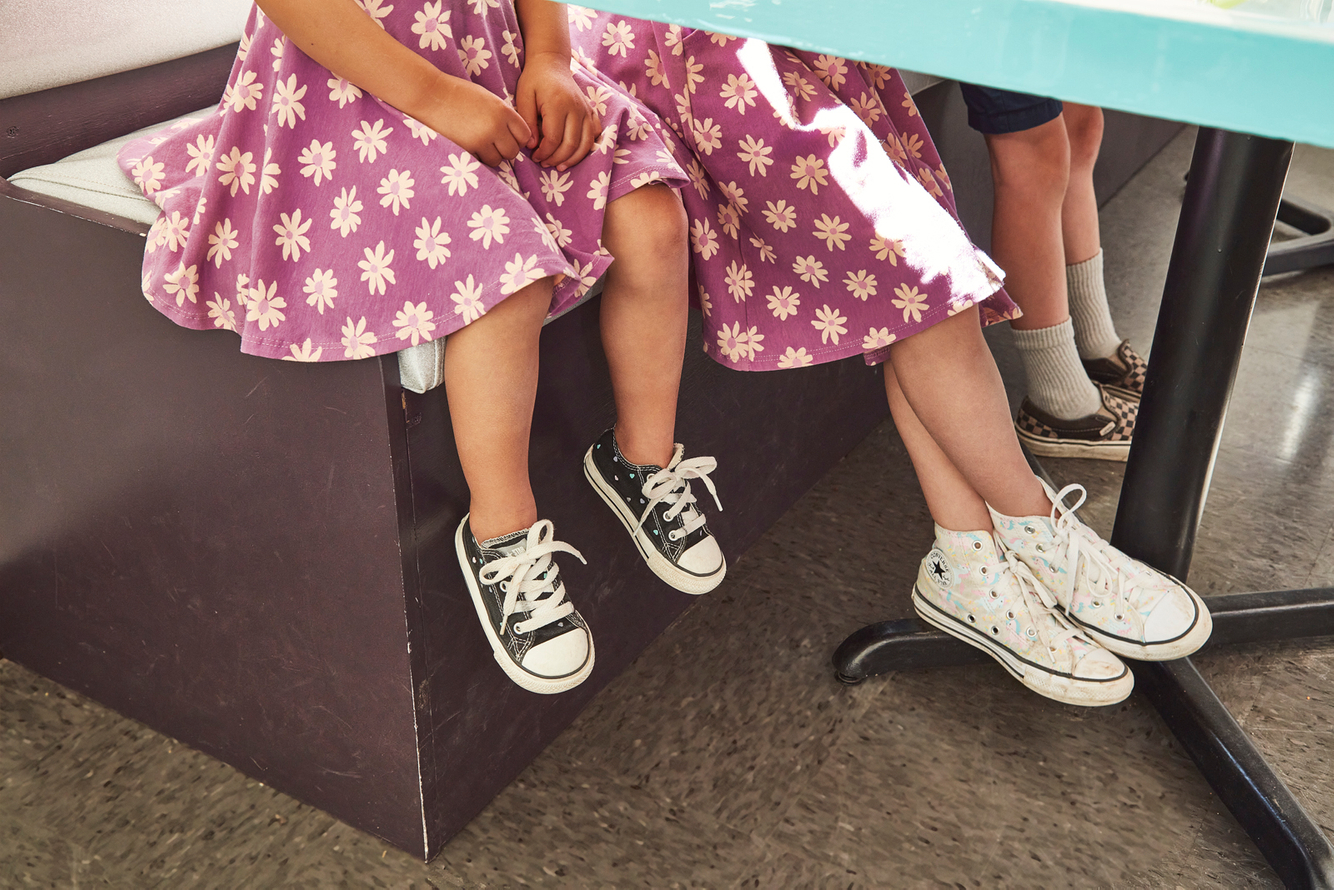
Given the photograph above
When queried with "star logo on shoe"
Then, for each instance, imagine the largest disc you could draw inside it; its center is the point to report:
(939, 568)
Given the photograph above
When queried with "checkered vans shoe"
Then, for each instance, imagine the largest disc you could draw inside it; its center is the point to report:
(537, 637)
(971, 590)
(657, 508)
(1122, 372)
(1104, 435)
(1128, 607)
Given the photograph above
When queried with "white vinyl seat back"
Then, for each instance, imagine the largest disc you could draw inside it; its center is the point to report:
(50, 43)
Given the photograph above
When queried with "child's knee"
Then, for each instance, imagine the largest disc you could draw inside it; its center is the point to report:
(1033, 162)
(1083, 126)
(652, 219)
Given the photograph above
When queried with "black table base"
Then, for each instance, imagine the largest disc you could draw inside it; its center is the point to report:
(1227, 217)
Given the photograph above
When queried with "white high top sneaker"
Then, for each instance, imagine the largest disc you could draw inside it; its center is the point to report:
(968, 589)
(1130, 608)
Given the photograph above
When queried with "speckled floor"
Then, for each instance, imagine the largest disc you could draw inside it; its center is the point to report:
(728, 755)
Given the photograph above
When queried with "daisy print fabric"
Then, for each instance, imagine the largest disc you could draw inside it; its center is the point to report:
(822, 221)
(322, 224)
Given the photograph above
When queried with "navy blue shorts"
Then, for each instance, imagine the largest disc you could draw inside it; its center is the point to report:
(1001, 111)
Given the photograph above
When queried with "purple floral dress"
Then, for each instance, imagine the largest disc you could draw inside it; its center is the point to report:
(822, 219)
(322, 224)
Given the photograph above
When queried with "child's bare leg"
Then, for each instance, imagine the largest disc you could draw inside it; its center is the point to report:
(1079, 211)
(644, 314)
(491, 380)
(949, 404)
(1031, 170)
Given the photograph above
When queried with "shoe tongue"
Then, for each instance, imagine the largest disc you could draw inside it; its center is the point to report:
(508, 545)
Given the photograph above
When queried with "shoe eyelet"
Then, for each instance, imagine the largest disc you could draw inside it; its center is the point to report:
(1032, 633)
(977, 545)
(1010, 614)
(1097, 604)
(1120, 617)
(993, 594)
(995, 631)
(1041, 549)
(1030, 530)
(972, 620)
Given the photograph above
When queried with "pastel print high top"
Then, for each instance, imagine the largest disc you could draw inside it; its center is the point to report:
(969, 589)
(1129, 607)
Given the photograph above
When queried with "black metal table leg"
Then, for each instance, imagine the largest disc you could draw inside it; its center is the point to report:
(1232, 198)
(1227, 216)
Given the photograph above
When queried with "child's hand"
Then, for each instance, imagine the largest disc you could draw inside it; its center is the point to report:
(478, 120)
(562, 124)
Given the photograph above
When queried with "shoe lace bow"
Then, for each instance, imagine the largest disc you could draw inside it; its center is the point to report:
(528, 580)
(1078, 541)
(671, 485)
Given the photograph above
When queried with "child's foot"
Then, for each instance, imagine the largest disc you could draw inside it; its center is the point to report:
(1130, 608)
(968, 589)
(1122, 372)
(538, 638)
(656, 506)
(1103, 435)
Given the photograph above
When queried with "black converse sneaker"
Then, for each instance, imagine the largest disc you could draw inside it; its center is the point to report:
(538, 638)
(655, 505)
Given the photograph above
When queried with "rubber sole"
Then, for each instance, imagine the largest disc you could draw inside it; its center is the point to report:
(673, 575)
(1067, 690)
(1041, 447)
(531, 682)
(1186, 644)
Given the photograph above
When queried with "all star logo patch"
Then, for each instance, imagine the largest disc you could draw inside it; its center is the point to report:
(939, 568)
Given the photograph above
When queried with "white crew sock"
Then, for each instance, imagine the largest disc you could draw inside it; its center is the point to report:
(1056, 380)
(1095, 334)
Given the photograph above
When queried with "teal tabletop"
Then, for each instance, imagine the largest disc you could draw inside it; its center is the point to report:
(1255, 66)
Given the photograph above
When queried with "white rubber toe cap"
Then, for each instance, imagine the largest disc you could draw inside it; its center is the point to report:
(1171, 618)
(1099, 664)
(558, 657)
(704, 558)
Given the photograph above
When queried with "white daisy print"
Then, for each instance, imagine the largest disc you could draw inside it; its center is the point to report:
(432, 26)
(346, 212)
(708, 135)
(739, 92)
(559, 233)
(834, 232)
(376, 269)
(783, 303)
(861, 284)
(811, 270)
(510, 48)
(810, 173)
(265, 306)
(268, 180)
(222, 242)
(419, 130)
(756, 155)
(414, 322)
(618, 38)
(829, 322)
(461, 173)
(519, 274)
(431, 243)
(703, 239)
(221, 311)
(397, 190)
(795, 358)
(321, 289)
(887, 248)
(201, 155)
(357, 340)
(183, 284)
(910, 301)
(174, 232)
(554, 185)
(292, 235)
(287, 102)
(149, 173)
(303, 353)
(371, 140)
(474, 55)
(739, 280)
(468, 300)
(342, 92)
(243, 94)
(733, 342)
(597, 191)
(580, 17)
(376, 9)
(877, 338)
(488, 225)
(318, 160)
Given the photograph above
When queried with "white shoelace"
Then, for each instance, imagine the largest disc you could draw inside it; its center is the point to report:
(532, 572)
(1078, 540)
(671, 485)
(1030, 588)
